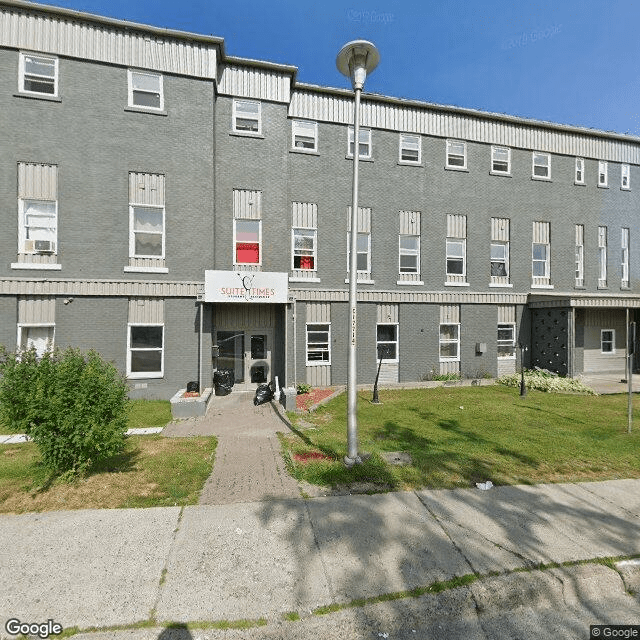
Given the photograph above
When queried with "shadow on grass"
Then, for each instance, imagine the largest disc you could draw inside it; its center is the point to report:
(123, 462)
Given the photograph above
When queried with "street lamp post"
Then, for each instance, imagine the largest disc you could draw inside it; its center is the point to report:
(355, 60)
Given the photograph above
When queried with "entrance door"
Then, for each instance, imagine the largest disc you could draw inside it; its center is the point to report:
(248, 355)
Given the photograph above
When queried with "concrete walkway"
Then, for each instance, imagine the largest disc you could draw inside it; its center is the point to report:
(248, 465)
(100, 568)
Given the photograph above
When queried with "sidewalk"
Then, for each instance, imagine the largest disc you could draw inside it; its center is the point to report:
(98, 568)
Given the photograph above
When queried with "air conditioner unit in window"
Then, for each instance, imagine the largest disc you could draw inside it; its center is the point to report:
(44, 246)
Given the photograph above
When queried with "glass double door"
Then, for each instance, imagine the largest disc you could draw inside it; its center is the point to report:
(248, 354)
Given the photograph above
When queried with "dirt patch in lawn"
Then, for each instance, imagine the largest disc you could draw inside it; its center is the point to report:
(305, 401)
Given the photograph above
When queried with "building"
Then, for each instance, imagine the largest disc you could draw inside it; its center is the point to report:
(181, 210)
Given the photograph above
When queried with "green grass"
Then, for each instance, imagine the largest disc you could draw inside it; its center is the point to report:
(152, 471)
(459, 436)
(142, 413)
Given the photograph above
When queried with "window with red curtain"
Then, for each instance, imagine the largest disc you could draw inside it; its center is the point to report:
(247, 241)
(247, 253)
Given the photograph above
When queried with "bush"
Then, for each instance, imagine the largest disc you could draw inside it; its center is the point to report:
(73, 406)
(303, 387)
(546, 381)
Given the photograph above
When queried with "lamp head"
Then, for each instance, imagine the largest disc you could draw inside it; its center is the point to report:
(356, 59)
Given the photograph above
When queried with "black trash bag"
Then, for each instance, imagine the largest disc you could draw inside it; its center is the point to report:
(264, 393)
(193, 387)
(223, 381)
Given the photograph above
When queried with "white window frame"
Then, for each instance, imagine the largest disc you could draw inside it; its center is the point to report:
(308, 232)
(455, 341)
(412, 143)
(625, 176)
(408, 252)
(580, 174)
(36, 325)
(612, 341)
(22, 229)
(312, 346)
(500, 162)
(579, 265)
(145, 374)
(22, 76)
(510, 342)
(602, 257)
(235, 242)
(452, 159)
(360, 272)
(540, 161)
(132, 90)
(367, 142)
(304, 135)
(625, 241)
(395, 342)
(132, 231)
(249, 116)
(546, 262)
(450, 256)
(603, 174)
(505, 245)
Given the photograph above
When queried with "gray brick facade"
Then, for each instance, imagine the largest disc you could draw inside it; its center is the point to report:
(97, 291)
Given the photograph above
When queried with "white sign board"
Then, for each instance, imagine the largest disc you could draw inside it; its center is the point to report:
(246, 286)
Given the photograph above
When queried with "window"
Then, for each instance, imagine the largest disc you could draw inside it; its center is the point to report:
(607, 341)
(449, 342)
(364, 145)
(602, 256)
(624, 177)
(247, 238)
(145, 90)
(387, 342)
(541, 255)
(501, 160)
(625, 259)
(318, 344)
(145, 351)
(409, 254)
(39, 337)
(602, 173)
(247, 116)
(147, 232)
(38, 74)
(579, 255)
(541, 166)
(506, 341)
(540, 265)
(456, 154)
(38, 230)
(499, 260)
(456, 250)
(363, 252)
(304, 135)
(304, 249)
(146, 217)
(579, 171)
(410, 148)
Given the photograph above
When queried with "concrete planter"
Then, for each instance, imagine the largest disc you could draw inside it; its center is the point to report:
(190, 407)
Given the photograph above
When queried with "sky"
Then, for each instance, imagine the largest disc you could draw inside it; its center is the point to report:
(565, 61)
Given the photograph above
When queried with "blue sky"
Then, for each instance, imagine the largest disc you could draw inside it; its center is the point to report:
(561, 60)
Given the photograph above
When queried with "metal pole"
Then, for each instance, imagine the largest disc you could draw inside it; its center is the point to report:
(200, 387)
(352, 392)
(630, 349)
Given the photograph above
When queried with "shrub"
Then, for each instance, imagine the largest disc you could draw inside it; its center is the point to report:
(546, 381)
(302, 387)
(73, 406)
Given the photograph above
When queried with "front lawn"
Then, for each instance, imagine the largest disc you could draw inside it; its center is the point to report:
(142, 413)
(459, 436)
(152, 471)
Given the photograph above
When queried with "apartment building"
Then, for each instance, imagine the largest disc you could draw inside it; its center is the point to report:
(181, 210)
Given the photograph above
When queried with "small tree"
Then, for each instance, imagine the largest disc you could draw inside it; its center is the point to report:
(73, 406)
